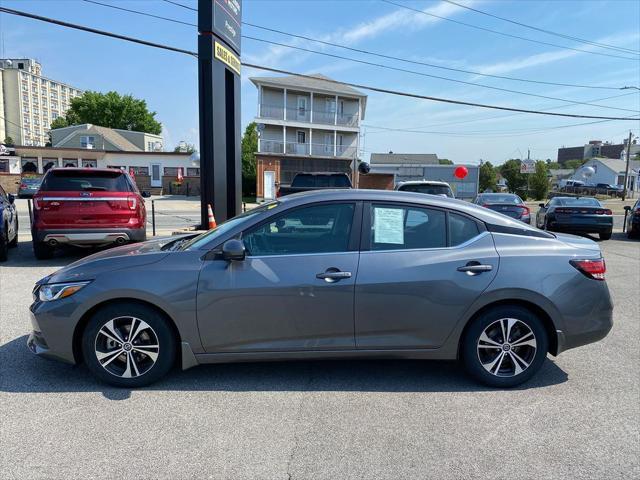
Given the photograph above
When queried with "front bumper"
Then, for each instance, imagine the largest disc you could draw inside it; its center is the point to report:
(84, 237)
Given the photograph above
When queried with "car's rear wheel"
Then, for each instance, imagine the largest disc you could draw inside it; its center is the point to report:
(42, 251)
(606, 235)
(4, 243)
(505, 346)
(128, 345)
(14, 242)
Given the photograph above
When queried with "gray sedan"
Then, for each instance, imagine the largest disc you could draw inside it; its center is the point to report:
(339, 274)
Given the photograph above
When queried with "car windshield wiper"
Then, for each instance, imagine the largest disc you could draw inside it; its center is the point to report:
(92, 188)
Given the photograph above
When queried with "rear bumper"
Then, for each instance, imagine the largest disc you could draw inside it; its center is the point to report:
(92, 236)
(583, 227)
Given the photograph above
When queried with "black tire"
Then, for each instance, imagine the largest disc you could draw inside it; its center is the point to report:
(14, 243)
(159, 331)
(4, 244)
(42, 251)
(606, 235)
(535, 355)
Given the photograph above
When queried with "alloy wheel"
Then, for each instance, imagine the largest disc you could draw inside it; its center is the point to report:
(506, 347)
(127, 347)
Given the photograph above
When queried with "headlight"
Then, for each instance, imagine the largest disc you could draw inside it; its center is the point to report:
(55, 291)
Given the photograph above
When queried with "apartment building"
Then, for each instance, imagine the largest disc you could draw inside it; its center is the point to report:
(30, 102)
(305, 125)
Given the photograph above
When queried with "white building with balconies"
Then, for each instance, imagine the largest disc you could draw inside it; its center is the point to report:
(305, 125)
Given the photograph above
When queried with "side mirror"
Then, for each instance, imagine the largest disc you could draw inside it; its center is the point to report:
(145, 194)
(233, 250)
(541, 205)
(626, 207)
(11, 198)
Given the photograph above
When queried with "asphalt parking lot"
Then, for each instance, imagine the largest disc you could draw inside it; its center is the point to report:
(578, 418)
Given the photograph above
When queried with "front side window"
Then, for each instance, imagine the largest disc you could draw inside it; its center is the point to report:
(308, 230)
(400, 228)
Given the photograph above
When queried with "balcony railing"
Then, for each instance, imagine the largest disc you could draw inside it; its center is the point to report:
(325, 117)
(317, 149)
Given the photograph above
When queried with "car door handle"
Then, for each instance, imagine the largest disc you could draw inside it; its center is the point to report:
(475, 268)
(333, 275)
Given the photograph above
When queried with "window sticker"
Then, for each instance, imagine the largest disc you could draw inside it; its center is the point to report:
(388, 225)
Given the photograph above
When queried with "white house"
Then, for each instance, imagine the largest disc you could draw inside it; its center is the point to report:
(611, 171)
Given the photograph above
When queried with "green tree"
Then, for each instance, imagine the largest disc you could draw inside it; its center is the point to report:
(488, 177)
(573, 164)
(190, 148)
(539, 181)
(510, 171)
(445, 161)
(8, 142)
(553, 165)
(249, 149)
(110, 110)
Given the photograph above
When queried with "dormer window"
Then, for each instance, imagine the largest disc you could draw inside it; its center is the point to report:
(87, 141)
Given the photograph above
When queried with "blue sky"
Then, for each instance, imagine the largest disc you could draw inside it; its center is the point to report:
(168, 81)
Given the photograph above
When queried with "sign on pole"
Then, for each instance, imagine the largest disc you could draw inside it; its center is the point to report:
(528, 166)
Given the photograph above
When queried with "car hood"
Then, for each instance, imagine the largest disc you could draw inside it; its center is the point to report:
(127, 256)
(577, 242)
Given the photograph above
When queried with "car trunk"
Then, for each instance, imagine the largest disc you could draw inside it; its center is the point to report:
(582, 215)
(513, 211)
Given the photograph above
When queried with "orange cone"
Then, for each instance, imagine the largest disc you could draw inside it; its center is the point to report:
(212, 219)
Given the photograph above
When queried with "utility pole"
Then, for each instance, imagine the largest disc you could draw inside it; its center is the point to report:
(626, 170)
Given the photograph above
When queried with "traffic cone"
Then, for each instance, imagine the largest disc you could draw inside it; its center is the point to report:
(212, 219)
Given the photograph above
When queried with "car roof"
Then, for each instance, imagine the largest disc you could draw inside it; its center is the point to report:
(423, 182)
(419, 199)
(86, 170)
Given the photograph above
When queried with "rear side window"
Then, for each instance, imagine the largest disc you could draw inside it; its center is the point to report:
(78, 181)
(316, 229)
(400, 228)
(430, 189)
(461, 229)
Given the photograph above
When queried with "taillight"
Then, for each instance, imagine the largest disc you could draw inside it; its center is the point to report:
(606, 211)
(37, 203)
(562, 210)
(525, 210)
(594, 269)
(23, 185)
(132, 202)
(278, 194)
(485, 205)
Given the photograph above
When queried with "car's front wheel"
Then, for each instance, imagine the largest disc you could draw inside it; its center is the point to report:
(42, 251)
(505, 346)
(128, 345)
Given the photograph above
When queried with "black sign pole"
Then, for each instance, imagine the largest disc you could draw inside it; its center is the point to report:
(219, 97)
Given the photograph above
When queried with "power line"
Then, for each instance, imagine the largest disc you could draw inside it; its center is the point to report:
(378, 65)
(286, 72)
(180, 5)
(503, 33)
(569, 37)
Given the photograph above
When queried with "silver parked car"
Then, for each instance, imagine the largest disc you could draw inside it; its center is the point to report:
(338, 274)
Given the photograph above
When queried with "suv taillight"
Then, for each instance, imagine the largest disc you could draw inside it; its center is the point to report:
(37, 203)
(594, 269)
(132, 202)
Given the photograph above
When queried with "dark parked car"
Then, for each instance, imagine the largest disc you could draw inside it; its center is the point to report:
(505, 203)
(86, 207)
(8, 223)
(577, 215)
(28, 187)
(633, 220)
(304, 182)
(430, 187)
(348, 274)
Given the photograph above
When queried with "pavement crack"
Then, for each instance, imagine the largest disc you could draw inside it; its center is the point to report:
(296, 421)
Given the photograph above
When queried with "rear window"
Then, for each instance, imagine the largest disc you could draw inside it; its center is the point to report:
(78, 181)
(502, 199)
(429, 189)
(577, 202)
(321, 181)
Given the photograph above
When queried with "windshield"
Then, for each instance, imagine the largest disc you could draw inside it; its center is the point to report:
(426, 188)
(503, 199)
(76, 181)
(210, 236)
(576, 202)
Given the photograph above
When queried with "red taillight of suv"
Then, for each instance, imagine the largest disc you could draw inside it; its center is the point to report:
(594, 269)
(132, 202)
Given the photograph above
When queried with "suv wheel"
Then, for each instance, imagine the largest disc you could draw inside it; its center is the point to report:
(606, 235)
(128, 345)
(42, 251)
(505, 346)
(4, 244)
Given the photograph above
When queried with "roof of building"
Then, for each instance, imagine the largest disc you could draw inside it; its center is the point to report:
(404, 159)
(22, 149)
(318, 83)
(109, 134)
(619, 165)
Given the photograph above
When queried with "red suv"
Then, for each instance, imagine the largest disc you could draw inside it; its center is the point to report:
(86, 207)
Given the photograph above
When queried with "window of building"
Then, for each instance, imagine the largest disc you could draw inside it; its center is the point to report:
(53, 84)
(69, 162)
(20, 66)
(400, 228)
(48, 164)
(63, 89)
(87, 141)
(44, 101)
(139, 170)
(302, 136)
(25, 87)
(24, 75)
(193, 172)
(89, 163)
(29, 165)
(170, 171)
(43, 82)
(317, 229)
(54, 115)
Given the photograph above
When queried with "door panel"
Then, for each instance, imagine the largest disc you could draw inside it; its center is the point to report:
(277, 303)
